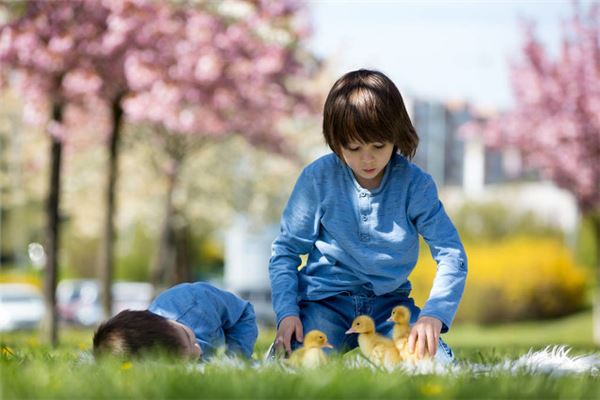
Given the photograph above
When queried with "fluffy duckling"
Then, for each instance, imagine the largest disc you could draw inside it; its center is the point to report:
(312, 354)
(401, 318)
(379, 349)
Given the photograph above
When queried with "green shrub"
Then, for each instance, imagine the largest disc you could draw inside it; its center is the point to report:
(493, 221)
(586, 244)
(136, 251)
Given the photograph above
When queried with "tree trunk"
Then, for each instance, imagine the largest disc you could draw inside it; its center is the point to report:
(108, 237)
(50, 324)
(596, 327)
(183, 262)
(163, 271)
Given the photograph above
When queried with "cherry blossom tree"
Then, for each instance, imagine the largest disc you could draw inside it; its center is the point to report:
(555, 121)
(191, 72)
(123, 36)
(44, 48)
(73, 55)
(217, 69)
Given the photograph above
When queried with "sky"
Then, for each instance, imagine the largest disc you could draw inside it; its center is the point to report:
(440, 50)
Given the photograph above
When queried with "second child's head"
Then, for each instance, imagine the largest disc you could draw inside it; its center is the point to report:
(135, 333)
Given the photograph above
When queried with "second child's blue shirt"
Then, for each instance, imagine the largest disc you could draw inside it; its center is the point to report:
(217, 317)
(364, 241)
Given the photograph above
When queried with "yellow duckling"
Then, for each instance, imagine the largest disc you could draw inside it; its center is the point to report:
(401, 318)
(379, 349)
(312, 354)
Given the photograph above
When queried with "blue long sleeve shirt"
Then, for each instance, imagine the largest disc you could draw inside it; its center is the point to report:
(364, 241)
(217, 317)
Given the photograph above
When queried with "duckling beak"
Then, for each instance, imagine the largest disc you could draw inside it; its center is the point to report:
(349, 331)
(328, 345)
(390, 319)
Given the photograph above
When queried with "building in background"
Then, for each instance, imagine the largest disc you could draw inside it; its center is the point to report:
(450, 159)
(246, 270)
(465, 170)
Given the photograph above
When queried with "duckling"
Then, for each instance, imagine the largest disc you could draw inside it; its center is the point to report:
(379, 349)
(312, 354)
(401, 317)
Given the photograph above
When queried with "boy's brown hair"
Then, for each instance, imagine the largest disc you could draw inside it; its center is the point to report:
(366, 106)
(133, 333)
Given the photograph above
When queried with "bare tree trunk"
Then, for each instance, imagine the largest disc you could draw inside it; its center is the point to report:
(108, 239)
(50, 325)
(596, 327)
(183, 267)
(163, 271)
(172, 262)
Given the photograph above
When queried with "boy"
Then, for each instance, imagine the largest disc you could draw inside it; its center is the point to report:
(358, 213)
(189, 319)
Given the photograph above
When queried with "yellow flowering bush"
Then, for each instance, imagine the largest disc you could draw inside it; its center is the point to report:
(16, 277)
(516, 278)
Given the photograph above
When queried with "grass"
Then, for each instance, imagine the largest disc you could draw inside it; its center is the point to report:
(575, 330)
(515, 338)
(31, 370)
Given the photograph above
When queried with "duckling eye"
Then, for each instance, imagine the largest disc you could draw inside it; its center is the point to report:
(358, 323)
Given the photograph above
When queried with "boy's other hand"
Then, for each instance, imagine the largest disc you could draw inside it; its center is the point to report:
(287, 327)
(425, 334)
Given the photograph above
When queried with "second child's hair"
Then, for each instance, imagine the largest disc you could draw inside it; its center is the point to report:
(133, 333)
(367, 107)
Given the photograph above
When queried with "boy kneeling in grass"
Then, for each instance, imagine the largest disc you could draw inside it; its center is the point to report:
(190, 319)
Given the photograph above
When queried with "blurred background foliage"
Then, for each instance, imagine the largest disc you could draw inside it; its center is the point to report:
(493, 221)
(218, 181)
(519, 267)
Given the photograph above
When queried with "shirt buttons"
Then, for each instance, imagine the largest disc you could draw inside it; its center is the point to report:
(363, 194)
(364, 217)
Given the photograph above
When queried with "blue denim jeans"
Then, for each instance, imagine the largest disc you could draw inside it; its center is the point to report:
(334, 316)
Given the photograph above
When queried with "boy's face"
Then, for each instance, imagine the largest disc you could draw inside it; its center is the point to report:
(191, 348)
(368, 161)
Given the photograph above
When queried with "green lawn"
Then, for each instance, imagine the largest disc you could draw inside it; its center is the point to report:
(516, 338)
(31, 370)
(574, 330)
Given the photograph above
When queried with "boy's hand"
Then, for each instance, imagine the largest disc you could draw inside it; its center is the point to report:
(287, 327)
(426, 334)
